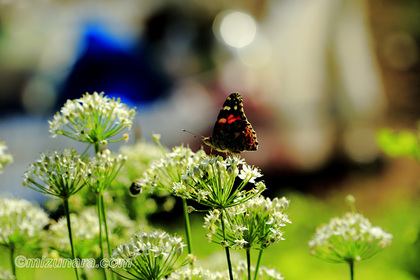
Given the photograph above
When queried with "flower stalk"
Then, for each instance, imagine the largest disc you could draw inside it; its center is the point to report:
(248, 262)
(100, 219)
(187, 225)
(12, 259)
(225, 244)
(351, 265)
(257, 266)
(73, 253)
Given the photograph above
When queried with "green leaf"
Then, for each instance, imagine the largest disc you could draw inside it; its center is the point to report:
(398, 143)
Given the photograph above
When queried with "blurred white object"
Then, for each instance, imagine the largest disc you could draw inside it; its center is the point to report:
(328, 79)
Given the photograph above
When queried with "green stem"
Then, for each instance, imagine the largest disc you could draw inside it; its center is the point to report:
(12, 259)
(98, 205)
(248, 262)
(227, 247)
(73, 254)
(105, 224)
(97, 148)
(159, 145)
(106, 228)
(351, 263)
(257, 267)
(187, 225)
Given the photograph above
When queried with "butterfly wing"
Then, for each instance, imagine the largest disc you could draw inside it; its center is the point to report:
(232, 132)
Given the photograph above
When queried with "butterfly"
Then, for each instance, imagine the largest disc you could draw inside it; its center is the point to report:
(232, 132)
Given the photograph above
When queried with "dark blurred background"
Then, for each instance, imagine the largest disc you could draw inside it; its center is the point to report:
(318, 79)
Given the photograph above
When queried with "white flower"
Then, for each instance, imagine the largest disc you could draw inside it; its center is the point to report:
(20, 221)
(85, 228)
(58, 174)
(272, 273)
(211, 182)
(92, 118)
(239, 243)
(239, 271)
(153, 254)
(5, 158)
(258, 221)
(6, 275)
(168, 173)
(102, 170)
(351, 237)
(249, 173)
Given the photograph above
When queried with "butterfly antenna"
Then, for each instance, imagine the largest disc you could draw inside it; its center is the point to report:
(194, 134)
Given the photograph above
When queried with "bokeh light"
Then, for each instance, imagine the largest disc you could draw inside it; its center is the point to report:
(237, 29)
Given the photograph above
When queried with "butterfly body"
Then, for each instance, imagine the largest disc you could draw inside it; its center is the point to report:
(232, 131)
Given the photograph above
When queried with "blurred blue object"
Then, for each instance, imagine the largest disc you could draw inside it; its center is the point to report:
(106, 63)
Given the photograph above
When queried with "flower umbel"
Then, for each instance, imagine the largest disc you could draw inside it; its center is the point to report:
(212, 181)
(257, 223)
(102, 170)
(166, 173)
(350, 238)
(21, 226)
(20, 221)
(93, 119)
(57, 174)
(153, 255)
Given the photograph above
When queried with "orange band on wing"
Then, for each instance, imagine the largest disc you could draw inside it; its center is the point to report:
(232, 118)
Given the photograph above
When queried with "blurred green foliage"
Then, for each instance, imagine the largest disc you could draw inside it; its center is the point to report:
(402, 143)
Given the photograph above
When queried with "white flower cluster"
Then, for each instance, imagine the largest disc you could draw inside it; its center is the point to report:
(351, 238)
(5, 158)
(166, 172)
(154, 243)
(6, 275)
(152, 255)
(211, 182)
(59, 174)
(102, 170)
(139, 156)
(264, 273)
(20, 221)
(92, 118)
(240, 272)
(257, 223)
(86, 231)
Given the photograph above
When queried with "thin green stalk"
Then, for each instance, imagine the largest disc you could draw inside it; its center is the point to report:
(257, 267)
(248, 262)
(106, 228)
(351, 264)
(12, 259)
(73, 254)
(159, 145)
(105, 224)
(98, 204)
(187, 225)
(226, 248)
(97, 148)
